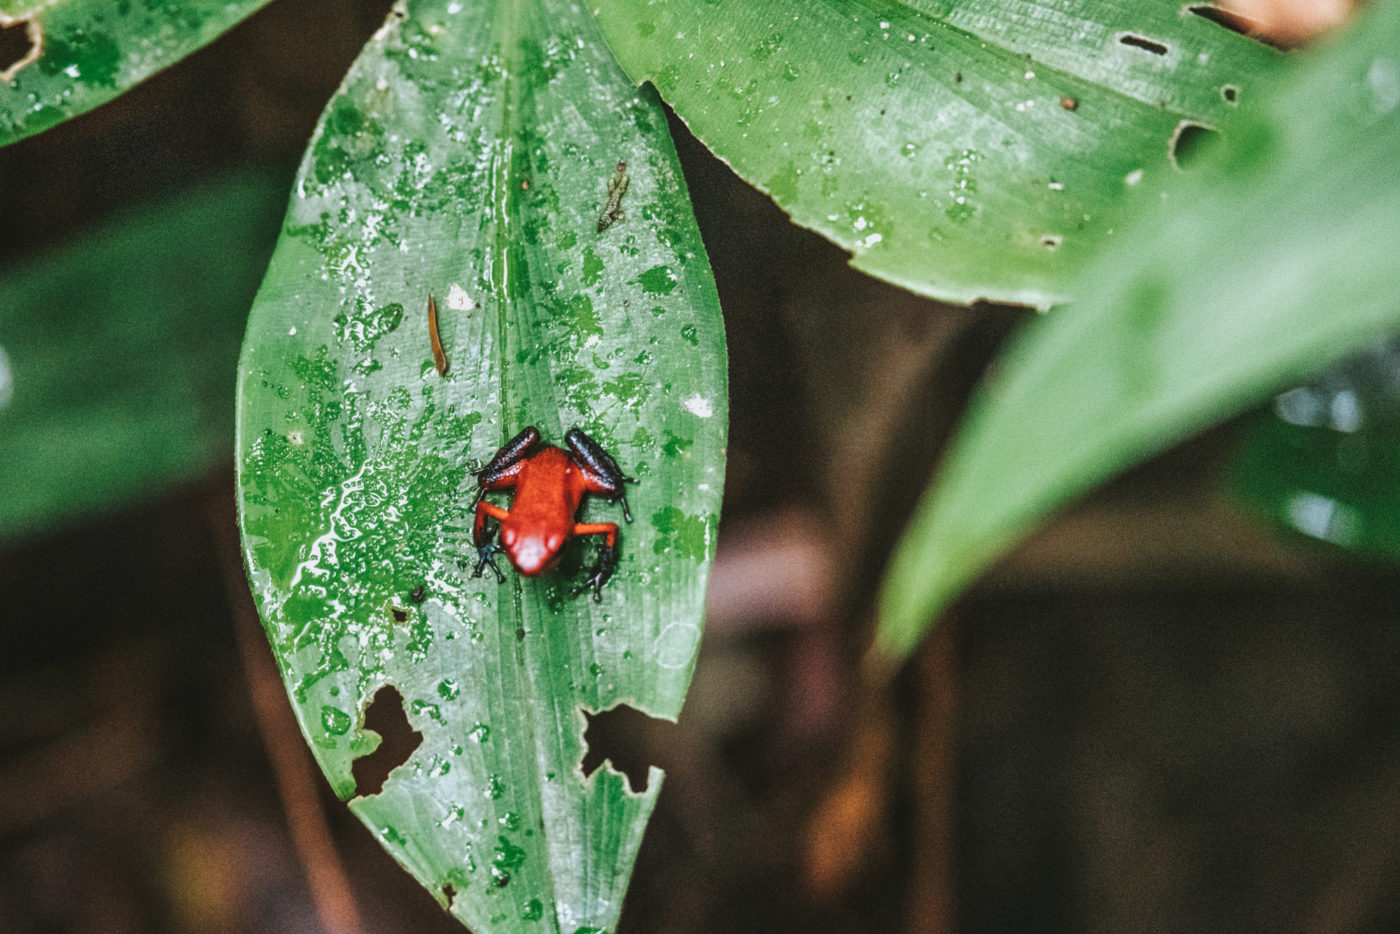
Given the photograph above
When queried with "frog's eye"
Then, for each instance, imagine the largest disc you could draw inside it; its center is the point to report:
(554, 542)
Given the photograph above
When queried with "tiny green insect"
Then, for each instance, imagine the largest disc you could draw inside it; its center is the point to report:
(617, 187)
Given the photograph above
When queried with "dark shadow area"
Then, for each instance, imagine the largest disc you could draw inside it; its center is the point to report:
(1237, 24)
(398, 739)
(1231, 21)
(1189, 141)
(15, 44)
(628, 739)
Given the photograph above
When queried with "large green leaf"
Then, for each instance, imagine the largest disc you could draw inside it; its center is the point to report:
(85, 52)
(468, 154)
(962, 150)
(1281, 259)
(118, 351)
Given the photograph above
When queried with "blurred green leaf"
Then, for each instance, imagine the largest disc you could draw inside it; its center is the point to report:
(468, 154)
(962, 150)
(85, 52)
(118, 352)
(1324, 459)
(1276, 261)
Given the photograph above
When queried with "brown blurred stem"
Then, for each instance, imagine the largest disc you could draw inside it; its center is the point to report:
(932, 907)
(331, 894)
(848, 830)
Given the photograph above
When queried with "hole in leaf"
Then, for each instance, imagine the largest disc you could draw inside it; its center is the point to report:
(1051, 241)
(449, 893)
(625, 737)
(1185, 147)
(19, 45)
(1231, 21)
(399, 613)
(1229, 92)
(1147, 45)
(398, 739)
(1236, 23)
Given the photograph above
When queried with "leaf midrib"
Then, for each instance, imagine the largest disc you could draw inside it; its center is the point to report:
(510, 15)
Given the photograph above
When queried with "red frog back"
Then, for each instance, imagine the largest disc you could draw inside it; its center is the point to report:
(548, 491)
(548, 484)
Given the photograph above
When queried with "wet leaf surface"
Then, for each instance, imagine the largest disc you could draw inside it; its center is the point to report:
(961, 150)
(468, 155)
(1279, 260)
(81, 53)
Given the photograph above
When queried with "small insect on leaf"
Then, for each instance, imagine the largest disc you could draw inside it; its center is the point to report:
(617, 187)
(439, 358)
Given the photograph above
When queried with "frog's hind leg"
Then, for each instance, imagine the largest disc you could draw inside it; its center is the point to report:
(601, 472)
(500, 472)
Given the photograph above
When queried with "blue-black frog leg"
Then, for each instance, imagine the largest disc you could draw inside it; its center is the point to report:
(602, 472)
(499, 472)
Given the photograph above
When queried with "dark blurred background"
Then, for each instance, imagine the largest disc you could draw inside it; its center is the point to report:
(1156, 715)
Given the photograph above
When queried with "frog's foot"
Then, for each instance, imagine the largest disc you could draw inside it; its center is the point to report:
(599, 574)
(486, 554)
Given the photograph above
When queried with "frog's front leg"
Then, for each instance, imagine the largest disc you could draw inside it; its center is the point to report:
(599, 574)
(483, 537)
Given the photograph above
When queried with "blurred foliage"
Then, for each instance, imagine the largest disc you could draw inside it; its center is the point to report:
(118, 352)
(1201, 307)
(1324, 459)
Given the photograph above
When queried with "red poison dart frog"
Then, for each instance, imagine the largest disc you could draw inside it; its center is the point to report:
(549, 484)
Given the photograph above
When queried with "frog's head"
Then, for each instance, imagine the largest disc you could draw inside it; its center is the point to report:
(532, 553)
